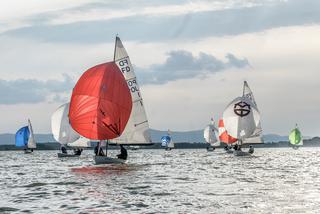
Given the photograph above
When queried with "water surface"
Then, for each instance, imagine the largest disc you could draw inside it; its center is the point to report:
(157, 181)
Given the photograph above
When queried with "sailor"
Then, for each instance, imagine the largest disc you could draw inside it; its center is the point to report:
(251, 149)
(98, 150)
(236, 147)
(123, 153)
(63, 149)
(78, 151)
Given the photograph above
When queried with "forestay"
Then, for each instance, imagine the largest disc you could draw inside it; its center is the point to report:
(60, 126)
(137, 128)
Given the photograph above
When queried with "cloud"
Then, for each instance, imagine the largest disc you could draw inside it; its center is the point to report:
(183, 65)
(147, 27)
(33, 91)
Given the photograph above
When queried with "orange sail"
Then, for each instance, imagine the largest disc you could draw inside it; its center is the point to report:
(223, 134)
(101, 103)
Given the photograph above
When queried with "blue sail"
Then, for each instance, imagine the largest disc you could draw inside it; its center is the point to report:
(22, 137)
(165, 140)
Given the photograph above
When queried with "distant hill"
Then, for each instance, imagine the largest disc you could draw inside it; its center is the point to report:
(177, 136)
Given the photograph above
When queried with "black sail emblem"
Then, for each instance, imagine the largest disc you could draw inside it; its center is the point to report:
(242, 109)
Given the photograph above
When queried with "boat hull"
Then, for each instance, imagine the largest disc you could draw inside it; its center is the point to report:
(210, 149)
(107, 160)
(63, 155)
(241, 153)
(27, 152)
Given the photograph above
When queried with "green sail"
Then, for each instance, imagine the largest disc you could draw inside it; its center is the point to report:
(295, 137)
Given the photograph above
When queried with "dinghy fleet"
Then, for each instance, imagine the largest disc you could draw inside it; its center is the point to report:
(106, 108)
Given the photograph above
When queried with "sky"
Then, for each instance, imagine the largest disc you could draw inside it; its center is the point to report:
(190, 57)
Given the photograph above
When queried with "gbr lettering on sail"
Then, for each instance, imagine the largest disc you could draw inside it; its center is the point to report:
(127, 71)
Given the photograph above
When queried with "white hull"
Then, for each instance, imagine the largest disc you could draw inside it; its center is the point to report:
(107, 160)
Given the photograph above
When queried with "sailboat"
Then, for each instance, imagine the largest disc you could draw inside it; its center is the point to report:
(225, 138)
(210, 136)
(166, 141)
(25, 138)
(64, 133)
(137, 129)
(241, 120)
(100, 107)
(295, 138)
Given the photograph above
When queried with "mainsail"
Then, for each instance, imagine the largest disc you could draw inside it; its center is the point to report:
(31, 141)
(137, 129)
(295, 137)
(101, 103)
(60, 126)
(209, 134)
(256, 137)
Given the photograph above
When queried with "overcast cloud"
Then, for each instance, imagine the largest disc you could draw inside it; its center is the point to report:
(33, 91)
(148, 27)
(183, 65)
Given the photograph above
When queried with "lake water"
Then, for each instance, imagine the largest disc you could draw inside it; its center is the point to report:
(157, 181)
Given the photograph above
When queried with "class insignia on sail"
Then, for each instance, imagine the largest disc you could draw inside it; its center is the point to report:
(24, 138)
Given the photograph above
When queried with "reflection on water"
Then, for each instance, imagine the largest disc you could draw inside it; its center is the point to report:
(157, 181)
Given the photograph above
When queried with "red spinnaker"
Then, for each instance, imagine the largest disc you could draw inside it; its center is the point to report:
(101, 103)
(223, 134)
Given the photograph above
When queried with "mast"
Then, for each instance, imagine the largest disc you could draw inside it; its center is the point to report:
(115, 47)
(243, 89)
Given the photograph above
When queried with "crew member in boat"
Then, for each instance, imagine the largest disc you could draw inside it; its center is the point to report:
(63, 149)
(98, 150)
(123, 153)
(251, 149)
(77, 151)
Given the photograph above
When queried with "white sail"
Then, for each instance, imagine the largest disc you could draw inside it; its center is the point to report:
(210, 135)
(31, 141)
(60, 126)
(82, 142)
(137, 128)
(256, 137)
(171, 144)
(241, 118)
